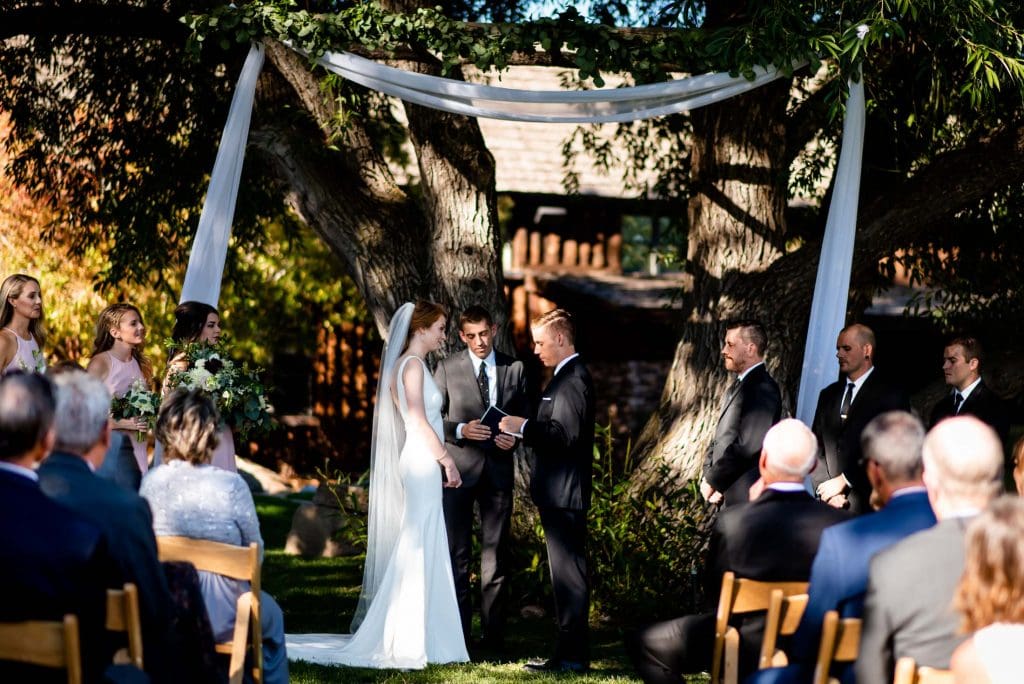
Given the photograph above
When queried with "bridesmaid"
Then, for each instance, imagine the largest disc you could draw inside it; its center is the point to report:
(199, 322)
(21, 319)
(118, 360)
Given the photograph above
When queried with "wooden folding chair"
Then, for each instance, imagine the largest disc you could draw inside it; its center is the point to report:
(738, 596)
(840, 641)
(123, 616)
(237, 562)
(907, 672)
(784, 613)
(47, 644)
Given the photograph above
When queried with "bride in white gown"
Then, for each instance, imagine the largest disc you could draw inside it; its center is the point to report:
(407, 614)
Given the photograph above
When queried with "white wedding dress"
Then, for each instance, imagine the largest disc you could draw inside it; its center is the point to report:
(413, 618)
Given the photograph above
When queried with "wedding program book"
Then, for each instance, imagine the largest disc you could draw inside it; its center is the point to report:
(492, 416)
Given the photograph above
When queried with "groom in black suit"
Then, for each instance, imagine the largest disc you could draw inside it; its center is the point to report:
(470, 381)
(561, 434)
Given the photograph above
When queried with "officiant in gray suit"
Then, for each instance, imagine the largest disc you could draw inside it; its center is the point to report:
(470, 381)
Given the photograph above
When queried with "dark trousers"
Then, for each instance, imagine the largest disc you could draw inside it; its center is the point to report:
(495, 525)
(119, 465)
(565, 533)
(662, 652)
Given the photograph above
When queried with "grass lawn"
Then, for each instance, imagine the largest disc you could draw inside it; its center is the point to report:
(320, 595)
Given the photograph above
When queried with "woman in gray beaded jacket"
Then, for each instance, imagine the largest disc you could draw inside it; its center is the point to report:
(191, 498)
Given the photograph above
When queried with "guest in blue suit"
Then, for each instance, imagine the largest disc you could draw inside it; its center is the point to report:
(891, 444)
(52, 560)
(68, 475)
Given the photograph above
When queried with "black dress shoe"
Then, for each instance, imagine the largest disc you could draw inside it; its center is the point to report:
(553, 665)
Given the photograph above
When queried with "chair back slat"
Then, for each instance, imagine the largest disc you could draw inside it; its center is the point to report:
(238, 562)
(907, 672)
(840, 642)
(123, 616)
(47, 644)
(783, 618)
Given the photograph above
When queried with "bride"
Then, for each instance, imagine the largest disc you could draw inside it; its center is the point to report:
(407, 614)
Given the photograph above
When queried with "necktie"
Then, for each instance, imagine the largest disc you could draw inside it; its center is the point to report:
(729, 394)
(844, 410)
(958, 400)
(483, 384)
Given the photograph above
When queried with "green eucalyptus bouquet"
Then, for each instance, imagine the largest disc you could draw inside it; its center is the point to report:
(236, 389)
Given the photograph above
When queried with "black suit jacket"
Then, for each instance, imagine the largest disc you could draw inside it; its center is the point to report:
(745, 418)
(773, 539)
(52, 562)
(983, 403)
(127, 524)
(462, 403)
(562, 437)
(839, 443)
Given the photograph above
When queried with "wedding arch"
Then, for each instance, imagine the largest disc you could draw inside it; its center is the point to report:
(209, 250)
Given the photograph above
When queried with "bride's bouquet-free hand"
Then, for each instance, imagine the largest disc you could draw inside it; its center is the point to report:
(240, 395)
(138, 402)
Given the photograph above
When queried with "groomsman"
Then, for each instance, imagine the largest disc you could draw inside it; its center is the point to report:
(969, 395)
(844, 408)
(470, 382)
(752, 405)
(561, 434)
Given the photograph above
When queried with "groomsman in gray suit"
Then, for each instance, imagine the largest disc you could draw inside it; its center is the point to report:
(470, 382)
(909, 606)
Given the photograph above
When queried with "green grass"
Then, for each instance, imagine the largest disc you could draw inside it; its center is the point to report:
(320, 595)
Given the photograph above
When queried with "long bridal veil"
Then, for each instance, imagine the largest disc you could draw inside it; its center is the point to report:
(387, 497)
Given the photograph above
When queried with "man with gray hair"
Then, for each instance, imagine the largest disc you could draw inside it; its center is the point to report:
(891, 444)
(772, 538)
(908, 610)
(82, 435)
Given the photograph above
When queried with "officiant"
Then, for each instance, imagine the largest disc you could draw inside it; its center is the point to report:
(477, 381)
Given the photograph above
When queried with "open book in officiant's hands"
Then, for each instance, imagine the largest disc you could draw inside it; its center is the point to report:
(492, 416)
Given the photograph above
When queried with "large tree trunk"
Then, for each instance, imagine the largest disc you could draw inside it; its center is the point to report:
(737, 229)
(350, 198)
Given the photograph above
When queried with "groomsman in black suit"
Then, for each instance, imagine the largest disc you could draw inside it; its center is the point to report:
(52, 560)
(561, 434)
(470, 381)
(844, 409)
(969, 396)
(751, 406)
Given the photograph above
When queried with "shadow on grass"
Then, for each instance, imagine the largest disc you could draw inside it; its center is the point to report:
(320, 595)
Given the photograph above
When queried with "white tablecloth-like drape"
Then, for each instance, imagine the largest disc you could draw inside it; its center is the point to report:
(209, 250)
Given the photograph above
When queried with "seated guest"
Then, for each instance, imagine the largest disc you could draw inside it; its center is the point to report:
(191, 498)
(991, 597)
(891, 444)
(1017, 460)
(969, 395)
(772, 538)
(52, 560)
(909, 606)
(68, 476)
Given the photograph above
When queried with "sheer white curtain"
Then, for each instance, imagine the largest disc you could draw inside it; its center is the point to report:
(832, 285)
(210, 248)
(206, 263)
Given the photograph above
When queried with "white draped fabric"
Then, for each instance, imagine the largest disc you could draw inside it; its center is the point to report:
(206, 263)
(832, 286)
(546, 106)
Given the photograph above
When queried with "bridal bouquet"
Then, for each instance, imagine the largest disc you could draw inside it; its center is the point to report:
(138, 402)
(237, 389)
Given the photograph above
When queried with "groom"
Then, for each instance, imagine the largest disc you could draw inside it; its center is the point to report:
(562, 437)
(470, 381)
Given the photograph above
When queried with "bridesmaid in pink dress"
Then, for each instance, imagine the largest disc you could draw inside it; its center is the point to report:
(118, 360)
(21, 325)
(199, 322)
